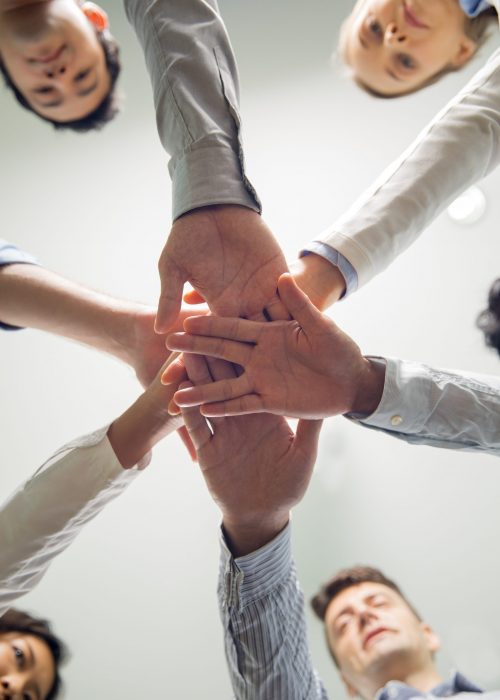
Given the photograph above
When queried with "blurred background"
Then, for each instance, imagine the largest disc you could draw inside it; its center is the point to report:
(135, 594)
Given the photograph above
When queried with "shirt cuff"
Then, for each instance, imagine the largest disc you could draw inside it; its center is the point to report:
(257, 574)
(401, 411)
(210, 174)
(338, 260)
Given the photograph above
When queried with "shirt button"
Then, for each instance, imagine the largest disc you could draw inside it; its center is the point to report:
(396, 420)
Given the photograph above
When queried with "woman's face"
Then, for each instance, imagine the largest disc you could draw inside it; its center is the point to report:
(396, 46)
(27, 668)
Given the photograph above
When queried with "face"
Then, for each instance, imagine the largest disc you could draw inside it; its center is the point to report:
(27, 669)
(52, 54)
(396, 46)
(376, 637)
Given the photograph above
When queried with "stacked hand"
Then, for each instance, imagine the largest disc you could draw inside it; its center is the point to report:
(306, 367)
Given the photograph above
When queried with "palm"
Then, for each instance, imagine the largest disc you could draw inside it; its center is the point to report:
(228, 255)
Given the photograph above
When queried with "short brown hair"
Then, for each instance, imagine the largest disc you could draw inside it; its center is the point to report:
(24, 623)
(489, 319)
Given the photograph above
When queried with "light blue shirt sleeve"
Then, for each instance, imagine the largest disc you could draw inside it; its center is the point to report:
(262, 611)
(10, 255)
(338, 260)
(473, 8)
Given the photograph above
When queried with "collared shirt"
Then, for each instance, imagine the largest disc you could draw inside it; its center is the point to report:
(473, 8)
(262, 612)
(10, 255)
(46, 513)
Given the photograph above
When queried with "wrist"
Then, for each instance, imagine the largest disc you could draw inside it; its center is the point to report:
(244, 536)
(323, 282)
(370, 387)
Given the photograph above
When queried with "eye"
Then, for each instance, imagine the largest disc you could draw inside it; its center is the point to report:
(19, 655)
(82, 75)
(375, 28)
(406, 61)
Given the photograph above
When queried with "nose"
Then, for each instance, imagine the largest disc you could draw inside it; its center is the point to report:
(365, 617)
(10, 689)
(55, 70)
(394, 34)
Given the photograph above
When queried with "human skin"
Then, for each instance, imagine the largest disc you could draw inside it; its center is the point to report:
(304, 368)
(27, 667)
(396, 46)
(255, 468)
(230, 257)
(51, 51)
(376, 638)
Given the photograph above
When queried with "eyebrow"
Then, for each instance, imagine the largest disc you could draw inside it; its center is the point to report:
(58, 103)
(89, 90)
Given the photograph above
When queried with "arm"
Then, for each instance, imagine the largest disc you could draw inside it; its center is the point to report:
(31, 296)
(459, 147)
(43, 517)
(256, 470)
(218, 242)
(262, 612)
(309, 368)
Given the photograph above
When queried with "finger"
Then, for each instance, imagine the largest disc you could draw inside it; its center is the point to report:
(188, 443)
(198, 370)
(243, 405)
(223, 390)
(259, 317)
(196, 425)
(169, 304)
(239, 353)
(229, 328)
(193, 297)
(173, 409)
(298, 304)
(175, 371)
(307, 435)
(276, 310)
(220, 369)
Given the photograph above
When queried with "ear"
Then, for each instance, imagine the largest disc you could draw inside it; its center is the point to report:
(351, 690)
(95, 15)
(467, 49)
(433, 641)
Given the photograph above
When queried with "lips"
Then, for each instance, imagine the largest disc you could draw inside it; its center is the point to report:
(412, 18)
(374, 633)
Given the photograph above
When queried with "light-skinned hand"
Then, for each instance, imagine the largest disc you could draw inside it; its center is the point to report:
(229, 256)
(304, 368)
(255, 468)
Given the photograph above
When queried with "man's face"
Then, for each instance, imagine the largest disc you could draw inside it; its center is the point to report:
(51, 51)
(376, 637)
(27, 667)
(396, 46)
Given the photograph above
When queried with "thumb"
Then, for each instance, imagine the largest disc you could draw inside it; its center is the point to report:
(169, 305)
(298, 304)
(307, 435)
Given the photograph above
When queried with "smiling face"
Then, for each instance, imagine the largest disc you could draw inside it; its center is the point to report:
(396, 46)
(376, 637)
(52, 54)
(27, 668)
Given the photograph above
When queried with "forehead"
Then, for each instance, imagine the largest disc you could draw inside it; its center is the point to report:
(361, 593)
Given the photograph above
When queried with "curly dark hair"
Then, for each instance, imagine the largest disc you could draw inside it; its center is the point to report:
(346, 578)
(489, 319)
(19, 621)
(104, 112)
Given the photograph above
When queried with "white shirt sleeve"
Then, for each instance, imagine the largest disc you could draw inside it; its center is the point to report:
(196, 96)
(43, 517)
(443, 408)
(459, 147)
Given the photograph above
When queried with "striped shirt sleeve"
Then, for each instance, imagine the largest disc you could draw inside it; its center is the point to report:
(263, 615)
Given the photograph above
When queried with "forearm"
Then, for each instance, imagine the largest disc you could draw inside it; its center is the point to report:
(195, 88)
(459, 147)
(262, 610)
(33, 297)
(443, 408)
(42, 518)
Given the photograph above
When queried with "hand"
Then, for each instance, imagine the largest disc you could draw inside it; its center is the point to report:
(323, 283)
(255, 468)
(306, 367)
(147, 351)
(229, 256)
